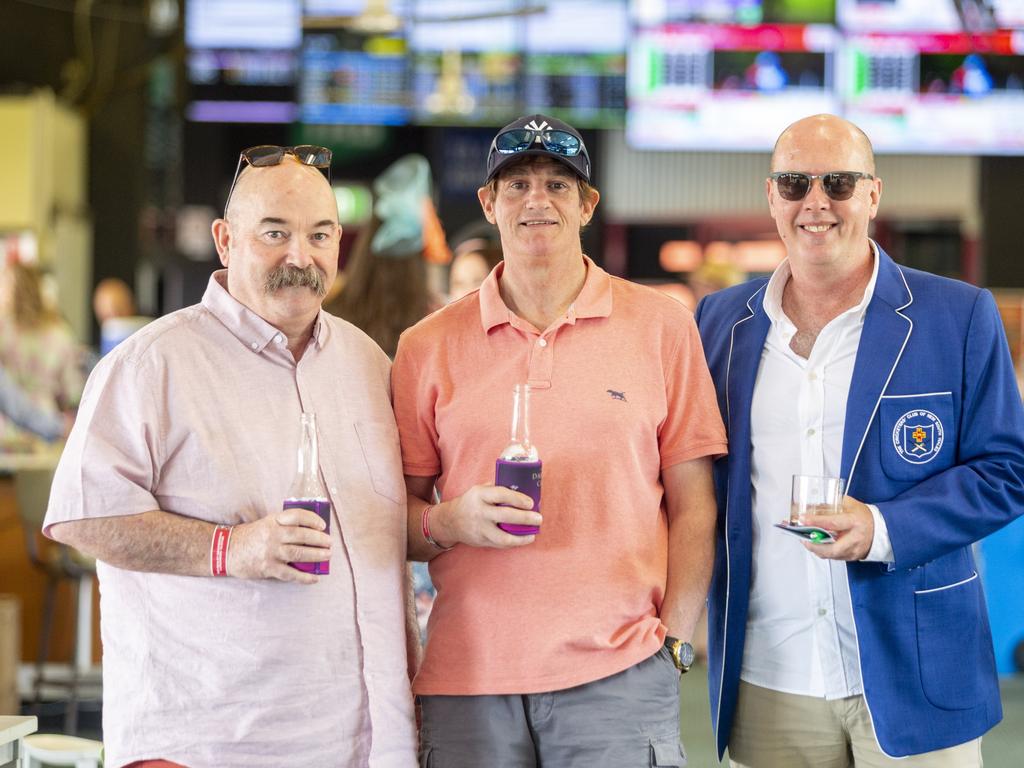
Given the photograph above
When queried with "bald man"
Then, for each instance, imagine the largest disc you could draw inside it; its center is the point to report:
(844, 364)
(217, 652)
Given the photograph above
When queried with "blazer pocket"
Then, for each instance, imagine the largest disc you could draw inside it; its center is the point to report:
(948, 643)
(918, 435)
(382, 454)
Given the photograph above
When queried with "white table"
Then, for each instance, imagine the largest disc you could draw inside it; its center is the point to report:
(13, 729)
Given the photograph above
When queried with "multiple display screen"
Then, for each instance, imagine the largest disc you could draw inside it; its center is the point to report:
(731, 74)
(680, 74)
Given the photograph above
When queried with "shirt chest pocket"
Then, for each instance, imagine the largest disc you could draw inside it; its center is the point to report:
(918, 435)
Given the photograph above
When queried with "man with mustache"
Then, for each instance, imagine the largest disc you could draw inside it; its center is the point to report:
(217, 652)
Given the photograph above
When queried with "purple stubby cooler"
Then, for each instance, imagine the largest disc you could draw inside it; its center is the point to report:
(524, 477)
(323, 508)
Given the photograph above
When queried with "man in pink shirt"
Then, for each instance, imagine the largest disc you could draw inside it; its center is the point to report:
(561, 648)
(218, 653)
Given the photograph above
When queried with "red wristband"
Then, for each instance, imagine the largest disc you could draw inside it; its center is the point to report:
(425, 524)
(219, 550)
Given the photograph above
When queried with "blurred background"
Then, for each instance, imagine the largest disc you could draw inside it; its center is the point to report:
(121, 122)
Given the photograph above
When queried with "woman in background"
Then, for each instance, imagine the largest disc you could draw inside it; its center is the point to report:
(37, 350)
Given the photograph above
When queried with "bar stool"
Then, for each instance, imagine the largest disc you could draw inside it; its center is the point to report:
(59, 563)
(62, 751)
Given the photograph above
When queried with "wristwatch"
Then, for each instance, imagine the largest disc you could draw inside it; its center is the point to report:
(682, 653)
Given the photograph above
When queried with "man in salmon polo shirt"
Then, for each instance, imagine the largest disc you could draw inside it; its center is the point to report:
(562, 648)
(218, 653)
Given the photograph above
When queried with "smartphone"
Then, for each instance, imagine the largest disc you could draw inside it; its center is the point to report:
(808, 532)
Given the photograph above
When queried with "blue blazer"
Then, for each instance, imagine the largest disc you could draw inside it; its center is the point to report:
(934, 436)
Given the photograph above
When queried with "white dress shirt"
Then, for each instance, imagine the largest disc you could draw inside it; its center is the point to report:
(800, 632)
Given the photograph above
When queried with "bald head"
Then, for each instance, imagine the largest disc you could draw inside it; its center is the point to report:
(818, 131)
(256, 185)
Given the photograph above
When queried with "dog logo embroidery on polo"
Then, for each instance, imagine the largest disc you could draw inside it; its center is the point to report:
(617, 395)
(532, 125)
(917, 436)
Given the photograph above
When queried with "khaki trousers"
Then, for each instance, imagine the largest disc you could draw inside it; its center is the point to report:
(782, 730)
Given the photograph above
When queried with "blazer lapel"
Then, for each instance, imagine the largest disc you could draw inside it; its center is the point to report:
(885, 335)
(748, 336)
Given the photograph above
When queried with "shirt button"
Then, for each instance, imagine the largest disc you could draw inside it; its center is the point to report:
(810, 432)
(255, 345)
(542, 342)
(278, 338)
(334, 491)
(812, 376)
(822, 612)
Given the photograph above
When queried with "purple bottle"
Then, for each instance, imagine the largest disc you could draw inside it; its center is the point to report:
(308, 490)
(519, 465)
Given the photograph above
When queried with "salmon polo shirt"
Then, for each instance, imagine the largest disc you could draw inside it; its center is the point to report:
(619, 391)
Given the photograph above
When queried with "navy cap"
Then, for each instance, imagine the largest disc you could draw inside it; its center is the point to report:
(579, 163)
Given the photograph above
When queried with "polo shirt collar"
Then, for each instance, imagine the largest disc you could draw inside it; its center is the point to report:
(244, 324)
(593, 300)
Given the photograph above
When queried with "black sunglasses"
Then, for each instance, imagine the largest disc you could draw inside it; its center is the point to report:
(838, 185)
(268, 154)
(521, 139)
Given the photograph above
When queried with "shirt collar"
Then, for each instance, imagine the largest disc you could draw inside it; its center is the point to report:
(244, 324)
(593, 300)
(777, 284)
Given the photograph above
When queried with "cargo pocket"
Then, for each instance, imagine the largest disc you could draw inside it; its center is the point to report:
(947, 642)
(379, 443)
(667, 752)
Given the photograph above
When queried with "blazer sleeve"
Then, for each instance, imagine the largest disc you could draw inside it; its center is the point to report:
(984, 490)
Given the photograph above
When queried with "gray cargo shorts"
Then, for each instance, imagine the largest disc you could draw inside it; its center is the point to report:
(627, 720)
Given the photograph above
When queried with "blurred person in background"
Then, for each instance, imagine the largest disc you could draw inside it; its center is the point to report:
(37, 351)
(386, 285)
(18, 408)
(178, 466)
(112, 298)
(563, 648)
(113, 304)
(472, 262)
(875, 649)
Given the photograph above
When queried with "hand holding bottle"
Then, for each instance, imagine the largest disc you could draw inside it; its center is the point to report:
(264, 548)
(473, 518)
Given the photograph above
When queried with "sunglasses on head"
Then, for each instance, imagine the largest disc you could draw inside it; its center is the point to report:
(838, 185)
(522, 139)
(268, 154)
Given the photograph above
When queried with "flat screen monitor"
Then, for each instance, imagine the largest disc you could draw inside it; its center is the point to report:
(937, 92)
(727, 87)
(361, 82)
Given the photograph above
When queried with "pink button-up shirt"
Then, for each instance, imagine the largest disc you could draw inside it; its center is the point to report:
(198, 414)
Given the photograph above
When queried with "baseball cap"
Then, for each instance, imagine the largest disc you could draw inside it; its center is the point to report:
(538, 135)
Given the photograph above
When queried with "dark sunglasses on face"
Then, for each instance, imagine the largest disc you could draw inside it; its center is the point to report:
(521, 139)
(268, 154)
(838, 185)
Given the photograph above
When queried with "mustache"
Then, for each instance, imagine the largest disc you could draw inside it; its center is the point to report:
(294, 277)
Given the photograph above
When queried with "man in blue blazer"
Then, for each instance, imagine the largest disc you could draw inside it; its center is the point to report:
(845, 364)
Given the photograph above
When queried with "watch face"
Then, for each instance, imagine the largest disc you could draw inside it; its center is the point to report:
(686, 655)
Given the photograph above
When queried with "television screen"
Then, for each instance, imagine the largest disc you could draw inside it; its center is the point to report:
(359, 81)
(937, 92)
(252, 24)
(576, 62)
(728, 87)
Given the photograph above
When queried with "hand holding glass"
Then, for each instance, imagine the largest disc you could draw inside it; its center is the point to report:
(813, 495)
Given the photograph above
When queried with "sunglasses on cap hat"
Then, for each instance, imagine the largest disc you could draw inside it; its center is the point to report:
(266, 155)
(538, 135)
(838, 185)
